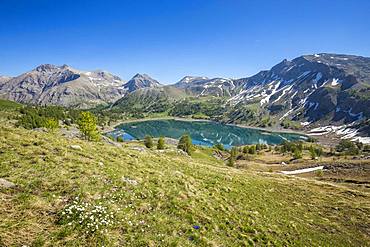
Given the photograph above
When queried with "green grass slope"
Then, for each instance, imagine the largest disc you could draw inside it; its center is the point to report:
(151, 198)
(149, 100)
(7, 105)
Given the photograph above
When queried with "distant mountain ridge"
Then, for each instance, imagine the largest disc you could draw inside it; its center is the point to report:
(321, 88)
(310, 89)
(63, 85)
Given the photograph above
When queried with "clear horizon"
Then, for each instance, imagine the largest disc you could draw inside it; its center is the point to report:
(171, 39)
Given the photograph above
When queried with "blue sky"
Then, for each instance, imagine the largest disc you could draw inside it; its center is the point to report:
(169, 39)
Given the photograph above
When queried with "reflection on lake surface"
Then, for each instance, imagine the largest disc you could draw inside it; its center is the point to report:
(202, 132)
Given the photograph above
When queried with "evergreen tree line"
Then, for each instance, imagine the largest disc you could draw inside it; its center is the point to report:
(49, 117)
(46, 116)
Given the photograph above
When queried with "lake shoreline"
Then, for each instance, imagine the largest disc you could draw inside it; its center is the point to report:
(266, 129)
(270, 136)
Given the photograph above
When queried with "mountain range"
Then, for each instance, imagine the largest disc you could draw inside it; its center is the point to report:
(322, 87)
(63, 85)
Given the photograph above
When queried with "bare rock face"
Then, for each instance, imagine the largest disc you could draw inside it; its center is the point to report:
(140, 81)
(62, 85)
(4, 79)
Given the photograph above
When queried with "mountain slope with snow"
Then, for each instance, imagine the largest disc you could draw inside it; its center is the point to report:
(203, 86)
(320, 87)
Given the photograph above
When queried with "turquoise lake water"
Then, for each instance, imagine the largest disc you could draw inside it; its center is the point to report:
(202, 132)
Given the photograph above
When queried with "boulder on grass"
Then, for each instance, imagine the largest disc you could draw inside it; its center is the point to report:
(6, 184)
(76, 147)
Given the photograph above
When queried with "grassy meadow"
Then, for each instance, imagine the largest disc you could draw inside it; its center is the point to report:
(72, 192)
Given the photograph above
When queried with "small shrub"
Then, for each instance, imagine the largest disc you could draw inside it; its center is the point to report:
(160, 144)
(185, 144)
(219, 146)
(38, 242)
(297, 154)
(252, 149)
(319, 173)
(148, 142)
(245, 149)
(51, 123)
(311, 139)
(119, 139)
(312, 152)
(319, 151)
(233, 155)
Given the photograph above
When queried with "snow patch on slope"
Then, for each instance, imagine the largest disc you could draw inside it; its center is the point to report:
(286, 89)
(274, 90)
(334, 82)
(344, 131)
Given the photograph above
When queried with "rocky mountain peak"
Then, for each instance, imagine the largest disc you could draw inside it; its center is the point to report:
(4, 79)
(189, 79)
(350, 65)
(50, 84)
(140, 81)
(139, 76)
(47, 68)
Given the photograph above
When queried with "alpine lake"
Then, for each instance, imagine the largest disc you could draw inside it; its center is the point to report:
(205, 133)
